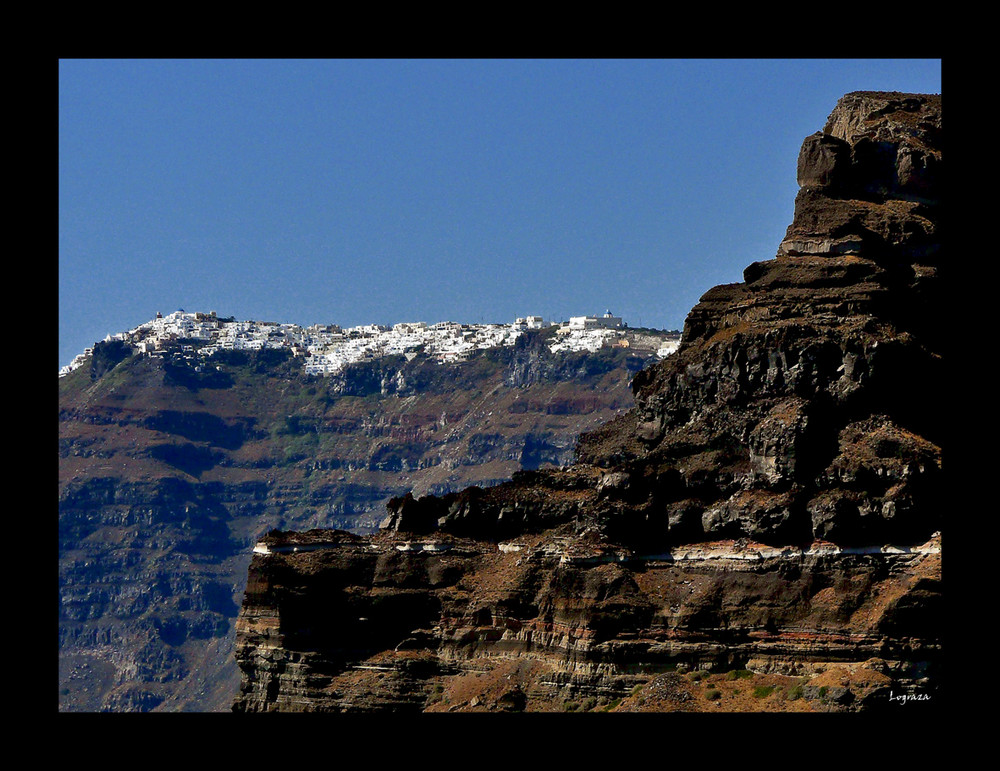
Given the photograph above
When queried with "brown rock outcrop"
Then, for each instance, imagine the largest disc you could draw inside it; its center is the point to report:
(836, 331)
(793, 435)
(390, 623)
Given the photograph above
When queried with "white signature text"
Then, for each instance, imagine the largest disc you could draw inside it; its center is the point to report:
(903, 698)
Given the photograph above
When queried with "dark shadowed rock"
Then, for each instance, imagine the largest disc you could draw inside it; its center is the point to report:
(824, 162)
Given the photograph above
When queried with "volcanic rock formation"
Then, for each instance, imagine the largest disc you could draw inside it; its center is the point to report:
(795, 437)
(801, 403)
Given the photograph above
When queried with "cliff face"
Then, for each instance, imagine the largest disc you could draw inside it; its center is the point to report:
(168, 474)
(801, 403)
(734, 520)
(331, 623)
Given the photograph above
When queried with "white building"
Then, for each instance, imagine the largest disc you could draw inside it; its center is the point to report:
(607, 321)
(668, 348)
(409, 327)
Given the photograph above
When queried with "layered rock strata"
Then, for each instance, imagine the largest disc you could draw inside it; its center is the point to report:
(333, 622)
(799, 419)
(169, 472)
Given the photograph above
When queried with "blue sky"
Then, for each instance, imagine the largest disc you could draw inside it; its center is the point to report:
(379, 191)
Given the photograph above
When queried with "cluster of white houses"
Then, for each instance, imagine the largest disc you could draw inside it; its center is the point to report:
(328, 348)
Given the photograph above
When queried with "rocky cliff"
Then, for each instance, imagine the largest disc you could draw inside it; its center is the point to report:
(169, 472)
(766, 519)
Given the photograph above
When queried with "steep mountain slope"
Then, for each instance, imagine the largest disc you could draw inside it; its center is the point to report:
(169, 472)
(772, 505)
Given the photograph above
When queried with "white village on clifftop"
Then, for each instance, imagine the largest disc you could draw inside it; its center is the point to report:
(327, 348)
